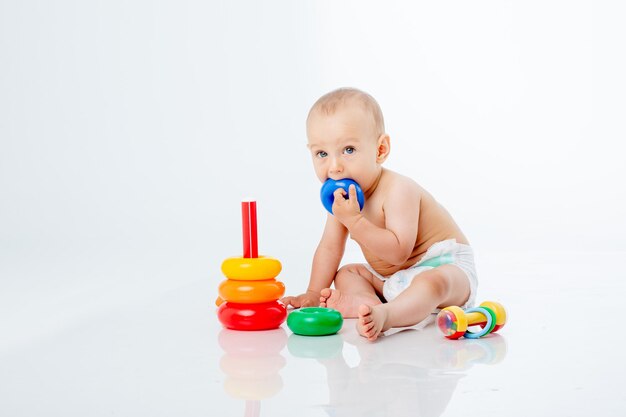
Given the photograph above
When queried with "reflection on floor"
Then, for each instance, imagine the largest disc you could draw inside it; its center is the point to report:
(415, 364)
(156, 348)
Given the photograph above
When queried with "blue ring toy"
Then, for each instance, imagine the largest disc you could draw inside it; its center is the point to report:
(329, 187)
(486, 329)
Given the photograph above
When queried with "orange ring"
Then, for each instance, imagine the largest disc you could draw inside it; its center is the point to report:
(255, 269)
(247, 292)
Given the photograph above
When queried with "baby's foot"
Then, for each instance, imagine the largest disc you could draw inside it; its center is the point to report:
(346, 304)
(372, 321)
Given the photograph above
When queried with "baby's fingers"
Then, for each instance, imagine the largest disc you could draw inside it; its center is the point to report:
(352, 192)
(289, 301)
(339, 193)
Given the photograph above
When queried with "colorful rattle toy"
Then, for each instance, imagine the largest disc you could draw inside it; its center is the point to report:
(453, 321)
(248, 299)
(315, 321)
(330, 186)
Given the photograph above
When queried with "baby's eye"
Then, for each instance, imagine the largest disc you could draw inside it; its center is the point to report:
(349, 150)
(321, 154)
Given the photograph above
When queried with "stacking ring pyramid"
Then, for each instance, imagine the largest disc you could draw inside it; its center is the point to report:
(248, 298)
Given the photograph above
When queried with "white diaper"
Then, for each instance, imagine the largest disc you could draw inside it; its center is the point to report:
(450, 251)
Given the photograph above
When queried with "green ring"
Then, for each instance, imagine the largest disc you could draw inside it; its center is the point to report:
(493, 316)
(314, 321)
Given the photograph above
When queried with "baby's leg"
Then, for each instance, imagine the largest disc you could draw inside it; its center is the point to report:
(439, 287)
(354, 285)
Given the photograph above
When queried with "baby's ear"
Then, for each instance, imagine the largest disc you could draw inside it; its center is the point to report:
(384, 147)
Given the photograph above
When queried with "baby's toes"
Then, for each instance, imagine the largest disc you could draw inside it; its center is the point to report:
(365, 311)
(365, 319)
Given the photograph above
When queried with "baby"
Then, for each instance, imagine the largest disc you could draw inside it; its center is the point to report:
(400, 230)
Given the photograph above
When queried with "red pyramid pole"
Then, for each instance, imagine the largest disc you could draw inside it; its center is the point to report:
(248, 221)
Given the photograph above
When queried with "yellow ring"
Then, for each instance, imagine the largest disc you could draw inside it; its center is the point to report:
(248, 292)
(251, 269)
(498, 309)
(251, 388)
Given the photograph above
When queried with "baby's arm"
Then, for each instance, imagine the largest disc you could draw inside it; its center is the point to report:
(393, 243)
(325, 264)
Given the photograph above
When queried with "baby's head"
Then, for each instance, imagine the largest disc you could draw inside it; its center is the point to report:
(346, 136)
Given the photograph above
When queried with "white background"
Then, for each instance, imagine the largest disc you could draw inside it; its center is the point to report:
(131, 131)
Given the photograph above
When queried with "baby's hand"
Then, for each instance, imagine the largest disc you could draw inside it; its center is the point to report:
(308, 299)
(346, 211)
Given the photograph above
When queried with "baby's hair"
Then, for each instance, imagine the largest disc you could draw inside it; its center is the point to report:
(330, 102)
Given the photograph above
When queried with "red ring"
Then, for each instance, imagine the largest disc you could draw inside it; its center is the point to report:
(259, 316)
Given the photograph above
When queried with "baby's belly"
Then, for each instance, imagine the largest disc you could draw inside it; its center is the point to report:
(385, 269)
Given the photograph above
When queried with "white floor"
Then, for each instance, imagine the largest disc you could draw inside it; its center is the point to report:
(165, 354)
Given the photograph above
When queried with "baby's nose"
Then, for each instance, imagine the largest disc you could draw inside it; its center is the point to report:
(335, 166)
